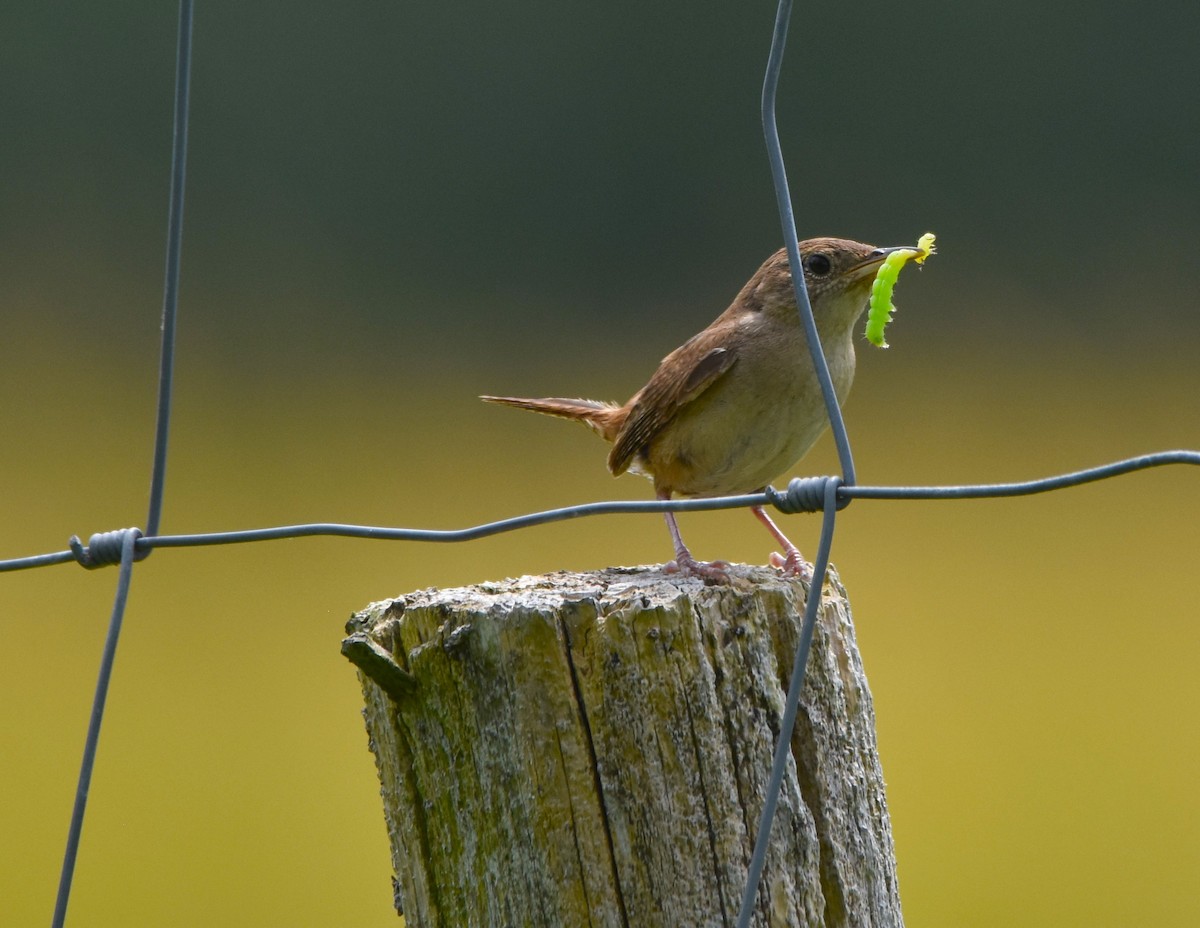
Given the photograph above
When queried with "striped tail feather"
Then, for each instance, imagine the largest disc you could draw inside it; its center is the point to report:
(603, 418)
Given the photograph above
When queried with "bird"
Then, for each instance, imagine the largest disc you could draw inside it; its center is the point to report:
(739, 403)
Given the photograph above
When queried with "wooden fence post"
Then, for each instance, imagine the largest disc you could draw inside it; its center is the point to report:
(592, 750)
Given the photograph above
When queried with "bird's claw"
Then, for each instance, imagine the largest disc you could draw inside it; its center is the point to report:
(793, 565)
(708, 571)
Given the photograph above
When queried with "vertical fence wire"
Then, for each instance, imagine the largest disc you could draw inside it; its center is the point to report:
(92, 740)
(841, 438)
(787, 722)
(783, 199)
(129, 537)
(166, 374)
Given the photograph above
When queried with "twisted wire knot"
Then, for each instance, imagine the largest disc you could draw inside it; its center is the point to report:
(104, 548)
(804, 494)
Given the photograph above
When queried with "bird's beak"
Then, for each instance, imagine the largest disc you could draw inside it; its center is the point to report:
(870, 265)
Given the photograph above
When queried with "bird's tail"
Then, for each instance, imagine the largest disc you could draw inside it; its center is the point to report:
(603, 418)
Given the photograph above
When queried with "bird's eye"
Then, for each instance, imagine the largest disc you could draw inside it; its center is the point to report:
(818, 265)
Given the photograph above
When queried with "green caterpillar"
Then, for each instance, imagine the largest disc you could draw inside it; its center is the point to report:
(879, 314)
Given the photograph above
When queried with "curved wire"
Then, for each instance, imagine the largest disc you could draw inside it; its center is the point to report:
(783, 199)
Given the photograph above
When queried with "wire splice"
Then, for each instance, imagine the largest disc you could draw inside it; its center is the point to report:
(104, 548)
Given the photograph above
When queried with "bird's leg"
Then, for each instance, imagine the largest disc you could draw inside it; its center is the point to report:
(684, 563)
(791, 562)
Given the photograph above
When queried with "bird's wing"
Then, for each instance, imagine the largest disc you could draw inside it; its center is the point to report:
(683, 375)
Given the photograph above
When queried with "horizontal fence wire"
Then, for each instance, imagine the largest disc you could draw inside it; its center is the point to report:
(804, 494)
(124, 547)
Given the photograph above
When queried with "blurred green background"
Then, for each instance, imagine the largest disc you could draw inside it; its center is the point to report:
(394, 207)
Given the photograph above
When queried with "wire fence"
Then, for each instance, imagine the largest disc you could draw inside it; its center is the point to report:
(827, 495)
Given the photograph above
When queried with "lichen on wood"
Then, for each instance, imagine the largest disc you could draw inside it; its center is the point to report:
(592, 749)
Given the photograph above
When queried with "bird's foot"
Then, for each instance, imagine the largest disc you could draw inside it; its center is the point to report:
(708, 571)
(793, 565)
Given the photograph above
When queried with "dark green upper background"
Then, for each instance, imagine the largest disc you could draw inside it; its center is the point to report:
(405, 170)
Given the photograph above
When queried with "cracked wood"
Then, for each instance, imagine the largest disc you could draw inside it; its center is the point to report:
(591, 750)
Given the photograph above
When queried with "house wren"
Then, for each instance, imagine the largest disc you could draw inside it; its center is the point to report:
(739, 403)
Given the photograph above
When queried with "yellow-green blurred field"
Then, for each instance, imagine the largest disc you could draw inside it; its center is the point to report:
(1033, 661)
